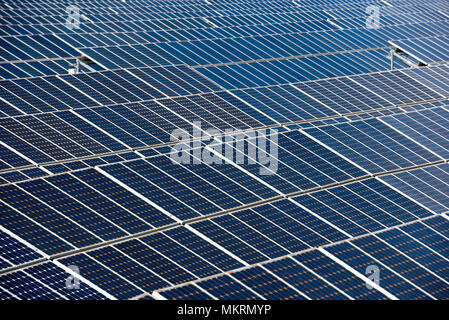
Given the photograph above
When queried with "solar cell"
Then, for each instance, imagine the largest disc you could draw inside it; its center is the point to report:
(373, 146)
(45, 282)
(429, 50)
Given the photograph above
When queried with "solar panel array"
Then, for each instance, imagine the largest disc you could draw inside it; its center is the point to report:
(94, 207)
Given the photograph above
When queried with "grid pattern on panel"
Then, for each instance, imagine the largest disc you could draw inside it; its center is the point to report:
(223, 150)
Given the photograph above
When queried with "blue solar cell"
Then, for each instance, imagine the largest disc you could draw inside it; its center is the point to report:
(160, 266)
(266, 285)
(308, 283)
(390, 281)
(151, 192)
(105, 277)
(121, 221)
(180, 255)
(346, 281)
(403, 265)
(227, 288)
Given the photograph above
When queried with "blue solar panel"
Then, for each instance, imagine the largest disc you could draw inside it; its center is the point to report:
(224, 150)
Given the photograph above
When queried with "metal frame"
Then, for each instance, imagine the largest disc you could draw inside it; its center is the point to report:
(404, 58)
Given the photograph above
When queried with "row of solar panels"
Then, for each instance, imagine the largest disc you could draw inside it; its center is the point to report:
(44, 24)
(217, 51)
(141, 11)
(289, 44)
(16, 48)
(396, 20)
(170, 192)
(110, 156)
(236, 240)
(44, 14)
(37, 95)
(31, 47)
(40, 125)
(114, 22)
(118, 200)
(79, 131)
(101, 130)
(412, 262)
(16, 25)
(144, 35)
(29, 96)
(172, 10)
(428, 50)
(176, 21)
(163, 9)
(359, 93)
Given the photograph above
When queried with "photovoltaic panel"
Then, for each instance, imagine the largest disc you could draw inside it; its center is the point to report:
(433, 77)
(223, 150)
(387, 149)
(45, 282)
(428, 50)
(427, 186)
(15, 252)
(427, 127)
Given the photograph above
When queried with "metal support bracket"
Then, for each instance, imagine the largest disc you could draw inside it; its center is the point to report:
(404, 58)
(81, 64)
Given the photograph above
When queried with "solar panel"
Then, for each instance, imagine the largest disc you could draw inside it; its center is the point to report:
(373, 146)
(428, 50)
(45, 282)
(423, 185)
(222, 150)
